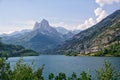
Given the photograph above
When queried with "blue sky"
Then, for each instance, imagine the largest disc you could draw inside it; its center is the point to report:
(71, 14)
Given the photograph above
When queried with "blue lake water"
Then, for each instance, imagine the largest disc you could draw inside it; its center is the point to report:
(67, 64)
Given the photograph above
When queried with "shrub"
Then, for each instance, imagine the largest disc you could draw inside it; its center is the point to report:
(107, 72)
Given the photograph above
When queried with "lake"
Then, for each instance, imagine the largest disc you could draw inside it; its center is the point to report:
(67, 64)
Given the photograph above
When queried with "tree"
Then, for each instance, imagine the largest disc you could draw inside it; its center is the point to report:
(20, 72)
(51, 76)
(5, 70)
(107, 72)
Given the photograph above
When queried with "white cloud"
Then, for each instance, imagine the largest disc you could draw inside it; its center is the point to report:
(100, 14)
(88, 23)
(103, 2)
(62, 24)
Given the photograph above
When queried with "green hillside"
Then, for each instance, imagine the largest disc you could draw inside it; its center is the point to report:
(15, 50)
(112, 50)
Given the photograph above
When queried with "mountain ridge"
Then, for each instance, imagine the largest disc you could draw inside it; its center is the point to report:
(87, 40)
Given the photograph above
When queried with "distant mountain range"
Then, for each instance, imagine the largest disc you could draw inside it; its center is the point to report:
(41, 38)
(16, 33)
(62, 30)
(44, 38)
(101, 35)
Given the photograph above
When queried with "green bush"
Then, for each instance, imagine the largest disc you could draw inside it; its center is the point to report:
(106, 73)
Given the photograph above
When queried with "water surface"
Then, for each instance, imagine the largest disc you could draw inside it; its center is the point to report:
(67, 64)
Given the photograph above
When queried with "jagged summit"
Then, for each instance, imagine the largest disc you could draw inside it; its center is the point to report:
(44, 24)
(44, 28)
(44, 21)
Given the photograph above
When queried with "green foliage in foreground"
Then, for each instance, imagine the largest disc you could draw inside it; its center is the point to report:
(20, 72)
(107, 73)
(62, 76)
(113, 50)
(23, 71)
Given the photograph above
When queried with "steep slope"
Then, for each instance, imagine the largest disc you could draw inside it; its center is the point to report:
(98, 36)
(42, 37)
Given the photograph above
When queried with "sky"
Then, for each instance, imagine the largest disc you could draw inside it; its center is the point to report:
(16, 15)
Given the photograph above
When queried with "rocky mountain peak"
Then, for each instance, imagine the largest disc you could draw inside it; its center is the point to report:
(44, 28)
(44, 24)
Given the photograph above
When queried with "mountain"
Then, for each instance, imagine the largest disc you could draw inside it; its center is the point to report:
(45, 28)
(67, 34)
(62, 30)
(40, 38)
(101, 35)
(22, 32)
(76, 31)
